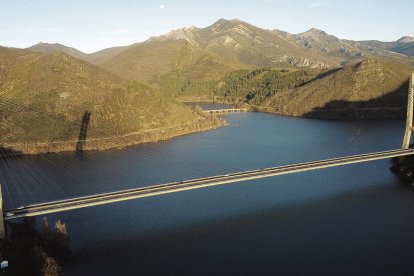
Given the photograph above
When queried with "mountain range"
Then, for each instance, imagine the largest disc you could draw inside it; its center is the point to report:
(189, 61)
(134, 89)
(368, 89)
(244, 44)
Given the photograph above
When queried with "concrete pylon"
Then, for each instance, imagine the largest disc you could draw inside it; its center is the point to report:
(409, 125)
(2, 230)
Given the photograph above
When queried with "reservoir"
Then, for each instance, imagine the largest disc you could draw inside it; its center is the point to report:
(355, 219)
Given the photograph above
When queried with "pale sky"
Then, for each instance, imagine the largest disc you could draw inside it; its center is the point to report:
(94, 25)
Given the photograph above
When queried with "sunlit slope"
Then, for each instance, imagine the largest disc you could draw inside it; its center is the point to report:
(149, 61)
(45, 96)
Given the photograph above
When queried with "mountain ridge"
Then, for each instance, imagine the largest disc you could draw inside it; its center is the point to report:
(43, 47)
(285, 48)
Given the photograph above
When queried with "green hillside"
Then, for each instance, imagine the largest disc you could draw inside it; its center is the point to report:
(44, 97)
(105, 54)
(369, 89)
(255, 86)
(149, 61)
(188, 62)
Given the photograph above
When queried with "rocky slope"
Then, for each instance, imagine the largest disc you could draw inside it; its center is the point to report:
(253, 87)
(259, 47)
(238, 40)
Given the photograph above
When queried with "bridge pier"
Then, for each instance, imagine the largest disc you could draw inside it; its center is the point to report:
(2, 229)
(410, 104)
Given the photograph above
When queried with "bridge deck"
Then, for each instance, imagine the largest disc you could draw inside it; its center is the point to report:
(106, 198)
(225, 110)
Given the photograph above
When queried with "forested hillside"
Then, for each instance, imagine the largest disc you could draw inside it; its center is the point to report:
(44, 99)
(369, 89)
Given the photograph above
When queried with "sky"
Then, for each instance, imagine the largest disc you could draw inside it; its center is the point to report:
(94, 25)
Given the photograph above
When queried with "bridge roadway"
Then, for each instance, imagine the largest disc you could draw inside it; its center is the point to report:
(106, 198)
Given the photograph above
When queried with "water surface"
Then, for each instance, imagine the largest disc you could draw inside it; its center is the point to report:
(354, 219)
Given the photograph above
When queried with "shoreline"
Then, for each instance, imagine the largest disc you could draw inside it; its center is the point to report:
(163, 134)
(115, 142)
(363, 114)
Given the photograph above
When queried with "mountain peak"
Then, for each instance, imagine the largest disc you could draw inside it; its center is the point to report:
(227, 23)
(44, 47)
(45, 44)
(223, 20)
(406, 39)
(184, 33)
(314, 31)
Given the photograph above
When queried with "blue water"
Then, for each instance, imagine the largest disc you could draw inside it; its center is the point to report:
(356, 219)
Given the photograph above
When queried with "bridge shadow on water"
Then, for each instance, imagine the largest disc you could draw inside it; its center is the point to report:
(83, 132)
(7, 152)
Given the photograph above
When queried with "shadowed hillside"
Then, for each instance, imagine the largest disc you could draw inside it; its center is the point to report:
(271, 69)
(43, 98)
(355, 91)
(255, 86)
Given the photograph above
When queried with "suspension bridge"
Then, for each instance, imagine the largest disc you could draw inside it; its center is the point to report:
(173, 187)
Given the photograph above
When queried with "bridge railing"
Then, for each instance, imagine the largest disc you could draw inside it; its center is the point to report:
(226, 110)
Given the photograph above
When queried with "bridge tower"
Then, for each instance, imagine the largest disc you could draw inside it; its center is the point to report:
(410, 105)
(2, 230)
